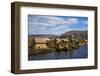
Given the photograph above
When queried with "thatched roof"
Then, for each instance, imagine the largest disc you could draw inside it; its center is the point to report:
(41, 40)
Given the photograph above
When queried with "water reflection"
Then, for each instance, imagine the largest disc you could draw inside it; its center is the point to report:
(81, 52)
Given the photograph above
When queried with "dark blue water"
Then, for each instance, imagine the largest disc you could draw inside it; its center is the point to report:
(81, 52)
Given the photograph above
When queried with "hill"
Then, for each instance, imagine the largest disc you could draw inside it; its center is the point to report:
(76, 34)
(43, 36)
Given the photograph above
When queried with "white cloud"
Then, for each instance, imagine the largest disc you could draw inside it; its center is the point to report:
(71, 21)
(85, 22)
(50, 24)
(51, 21)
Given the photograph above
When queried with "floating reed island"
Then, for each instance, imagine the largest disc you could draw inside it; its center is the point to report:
(44, 45)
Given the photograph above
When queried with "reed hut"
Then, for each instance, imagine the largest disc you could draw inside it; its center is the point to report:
(41, 43)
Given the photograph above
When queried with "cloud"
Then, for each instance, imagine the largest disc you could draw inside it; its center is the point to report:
(51, 21)
(71, 21)
(85, 22)
(51, 24)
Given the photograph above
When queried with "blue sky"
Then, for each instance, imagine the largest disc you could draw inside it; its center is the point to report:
(56, 25)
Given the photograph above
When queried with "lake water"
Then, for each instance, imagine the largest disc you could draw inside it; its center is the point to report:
(81, 52)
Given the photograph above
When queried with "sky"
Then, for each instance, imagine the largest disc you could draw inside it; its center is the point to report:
(55, 25)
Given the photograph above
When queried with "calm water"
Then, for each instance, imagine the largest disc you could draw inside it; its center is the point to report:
(81, 52)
